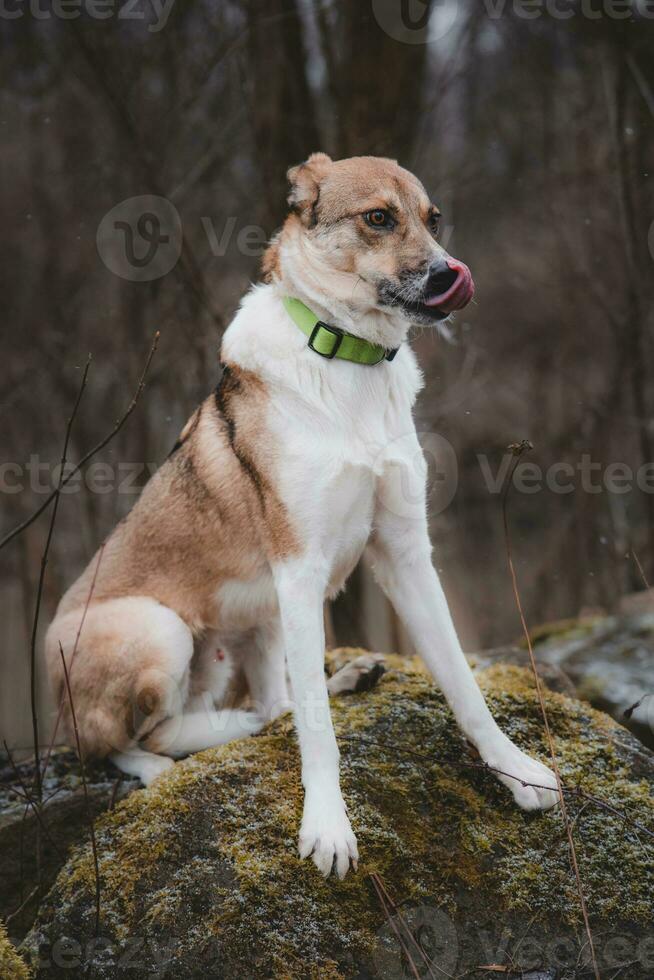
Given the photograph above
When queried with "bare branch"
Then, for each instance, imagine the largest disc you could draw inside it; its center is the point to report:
(518, 449)
(39, 591)
(87, 803)
(92, 452)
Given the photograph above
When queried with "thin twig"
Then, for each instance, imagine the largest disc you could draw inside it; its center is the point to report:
(641, 82)
(62, 700)
(393, 925)
(570, 790)
(114, 793)
(396, 912)
(39, 590)
(33, 804)
(96, 449)
(628, 712)
(458, 763)
(21, 852)
(640, 568)
(87, 803)
(518, 450)
(22, 906)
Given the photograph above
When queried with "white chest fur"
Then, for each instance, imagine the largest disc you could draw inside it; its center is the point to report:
(334, 423)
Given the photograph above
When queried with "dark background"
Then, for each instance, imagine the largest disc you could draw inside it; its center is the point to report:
(533, 133)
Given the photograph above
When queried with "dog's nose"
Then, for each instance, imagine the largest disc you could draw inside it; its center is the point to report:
(449, 284)
(441, 277)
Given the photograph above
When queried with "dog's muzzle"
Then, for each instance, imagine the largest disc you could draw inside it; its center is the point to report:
(449, 286)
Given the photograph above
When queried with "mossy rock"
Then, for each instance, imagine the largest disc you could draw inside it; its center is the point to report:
(200, 875)
(609, 659)
(64, 816)
(12, 967)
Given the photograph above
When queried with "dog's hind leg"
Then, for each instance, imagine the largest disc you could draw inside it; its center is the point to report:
(128, 669)
(197, 730)
(264, 664)
(146, 765)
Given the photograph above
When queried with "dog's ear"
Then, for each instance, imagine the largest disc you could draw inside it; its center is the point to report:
(305, 181)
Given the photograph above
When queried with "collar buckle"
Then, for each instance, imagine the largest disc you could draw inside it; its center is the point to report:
(335, 331)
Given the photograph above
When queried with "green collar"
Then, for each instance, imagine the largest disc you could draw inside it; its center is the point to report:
(333, 342)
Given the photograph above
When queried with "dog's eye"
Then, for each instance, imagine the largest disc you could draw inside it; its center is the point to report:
(434, 222)
(378, 218)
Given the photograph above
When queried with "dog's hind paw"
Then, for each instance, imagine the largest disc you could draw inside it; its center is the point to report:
(360, 674)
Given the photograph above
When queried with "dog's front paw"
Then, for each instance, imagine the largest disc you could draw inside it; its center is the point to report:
(326, 834)
(532, 784)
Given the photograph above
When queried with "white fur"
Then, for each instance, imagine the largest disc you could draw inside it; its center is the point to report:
(352, 473)
(353, 468)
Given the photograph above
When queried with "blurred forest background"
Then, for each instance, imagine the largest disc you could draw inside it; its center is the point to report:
(534, 134)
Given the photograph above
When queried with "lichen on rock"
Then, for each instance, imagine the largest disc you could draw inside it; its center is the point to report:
(200, 874)
(12, 967)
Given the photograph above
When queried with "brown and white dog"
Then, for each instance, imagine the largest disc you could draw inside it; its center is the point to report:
(278, 483)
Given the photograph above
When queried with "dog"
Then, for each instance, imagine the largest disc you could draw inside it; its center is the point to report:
(305, 456)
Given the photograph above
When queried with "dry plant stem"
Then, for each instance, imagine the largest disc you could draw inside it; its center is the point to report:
(632, 707)
(393, 925)
(396, 911)
(518, 450)
(32, 803)
(572, 791)
(114, 793)
(39, 591)
(457, 763)
(23, 905)
(96, 449)
(87, 804)
(38, 788)
(640, 568)
(72, 656)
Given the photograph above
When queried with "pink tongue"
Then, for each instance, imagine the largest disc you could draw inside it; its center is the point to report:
(461, 285)
(441, 298)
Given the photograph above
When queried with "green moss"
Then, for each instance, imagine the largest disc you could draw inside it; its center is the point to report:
(571, 629)
(12, 967)
(206, 858)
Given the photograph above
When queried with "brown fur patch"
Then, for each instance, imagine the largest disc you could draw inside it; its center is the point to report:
(270, 267)
(210, 514)
(241, 401)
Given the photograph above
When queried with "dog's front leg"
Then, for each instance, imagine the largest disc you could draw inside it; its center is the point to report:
(325, 832)
(401, 556)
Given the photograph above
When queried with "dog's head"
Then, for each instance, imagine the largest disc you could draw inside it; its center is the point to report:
(363, 232)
